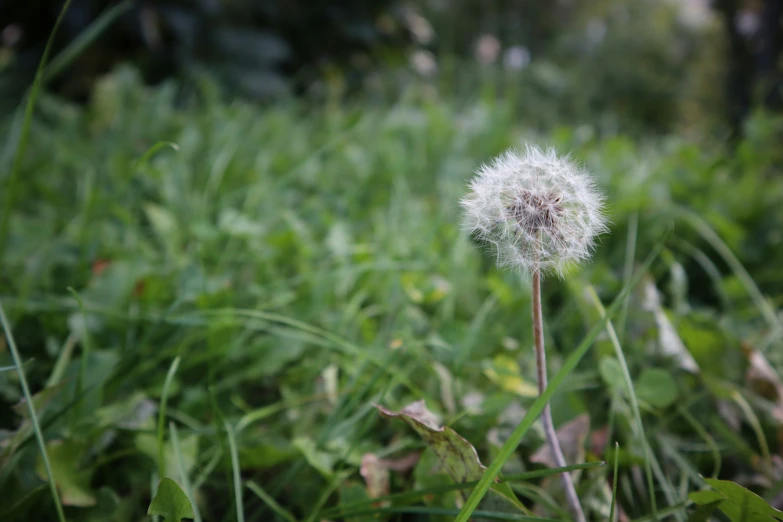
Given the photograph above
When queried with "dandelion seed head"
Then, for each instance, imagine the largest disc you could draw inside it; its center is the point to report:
(538, 212)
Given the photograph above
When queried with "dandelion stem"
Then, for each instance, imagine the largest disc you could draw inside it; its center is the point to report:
(546, 417)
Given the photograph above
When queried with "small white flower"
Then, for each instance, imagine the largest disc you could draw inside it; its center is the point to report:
(516, 58)
(538, 211)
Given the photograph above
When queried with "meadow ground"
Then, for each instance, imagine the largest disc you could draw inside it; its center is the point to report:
(222, 293)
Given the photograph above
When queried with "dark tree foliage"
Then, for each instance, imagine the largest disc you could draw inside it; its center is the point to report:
(754, 74)
(258, 47)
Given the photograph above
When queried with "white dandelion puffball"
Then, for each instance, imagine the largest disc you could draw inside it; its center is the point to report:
(539, 212)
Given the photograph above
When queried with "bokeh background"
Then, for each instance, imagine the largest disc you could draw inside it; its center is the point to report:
(662, 65)
(230, 228)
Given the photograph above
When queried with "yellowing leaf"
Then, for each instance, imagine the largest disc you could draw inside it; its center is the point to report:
(504, 372)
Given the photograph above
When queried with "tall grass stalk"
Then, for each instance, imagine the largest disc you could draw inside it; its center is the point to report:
(24, 134)
(33, 416)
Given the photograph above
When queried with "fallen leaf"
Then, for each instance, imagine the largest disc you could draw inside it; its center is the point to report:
(599, 440)
(375, 471)
(572, 436)
(375, 475)
(402, 464)
(764, 380)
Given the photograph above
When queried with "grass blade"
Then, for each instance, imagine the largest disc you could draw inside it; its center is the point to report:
(336, 512)
(85, 354)
(84, 39)
(33, 417)
(618, 350)
(24, 133)
(540, 403)
(486, 515)
(630, 257)
(708, 439)
(182, 472)
(766, 310)
(232, 446)
(162, 414)
(269, 501)
(614, 481)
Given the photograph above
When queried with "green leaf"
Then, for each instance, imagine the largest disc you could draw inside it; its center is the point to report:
(170, 502)
(657, 387)
(147, 444)
(322, 461)
(738, 503)
(612, 373)
(703, 512)
(72, 481)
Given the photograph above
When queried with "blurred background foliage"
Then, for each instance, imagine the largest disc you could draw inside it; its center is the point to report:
(297, 253)
(623, 65)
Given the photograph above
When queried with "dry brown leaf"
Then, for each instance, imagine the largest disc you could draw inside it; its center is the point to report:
(764, 380)
(375, 475)
(572, 436)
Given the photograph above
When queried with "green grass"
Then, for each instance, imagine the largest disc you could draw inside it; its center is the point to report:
(247, 282)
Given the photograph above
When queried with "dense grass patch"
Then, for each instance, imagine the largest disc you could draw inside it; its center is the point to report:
(221, 293)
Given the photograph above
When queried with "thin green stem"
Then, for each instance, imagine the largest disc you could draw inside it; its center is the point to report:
(232, 447)
(638, 424)
(33, 417)
(630, 256)
(164, 396)
(615, 478)
(24, 135)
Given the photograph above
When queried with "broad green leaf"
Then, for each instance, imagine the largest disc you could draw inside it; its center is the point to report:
(738, 503)
(71, 479)
(320, 460)
(457, 456)
(704, 512)
(170, 502)
(263, 454)
(656, 387)
(612, 373)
